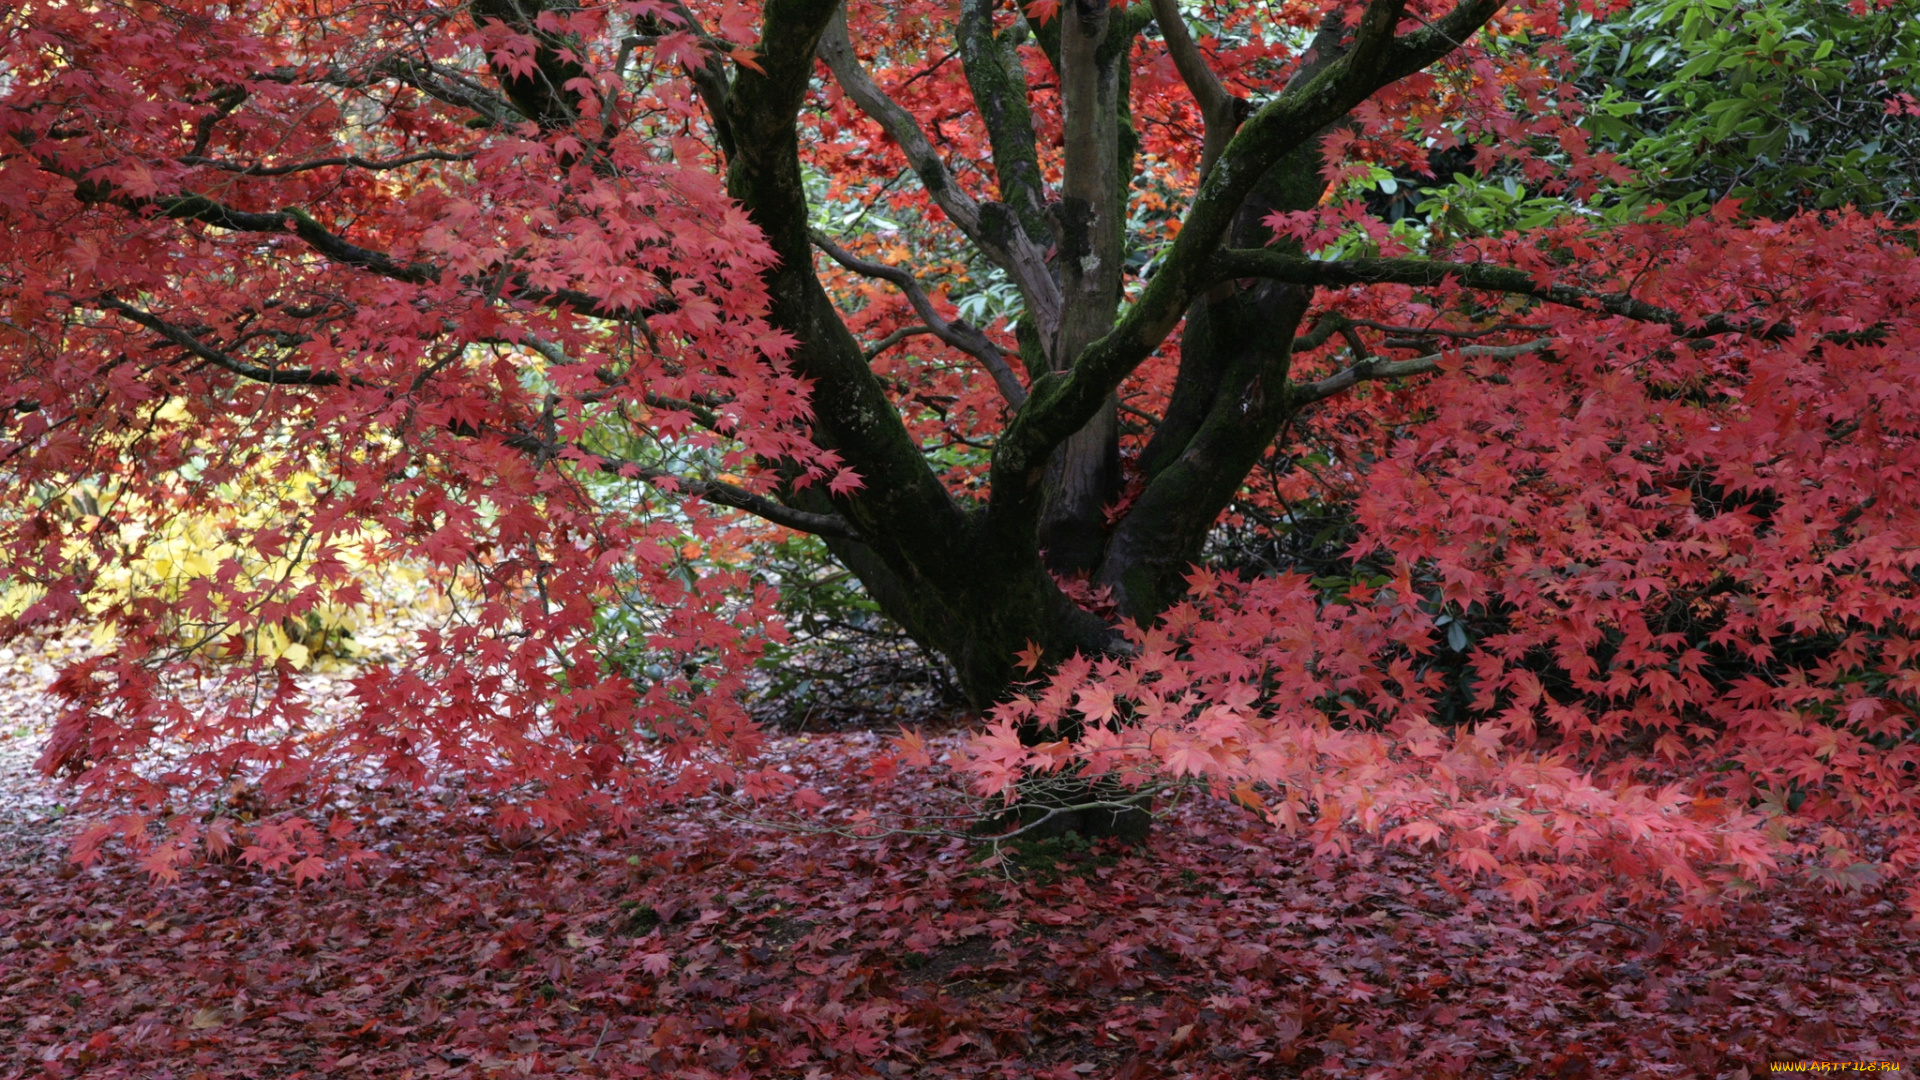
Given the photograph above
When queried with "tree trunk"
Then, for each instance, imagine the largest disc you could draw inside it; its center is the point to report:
(976, 583)
(977, 586)
(1083, 476)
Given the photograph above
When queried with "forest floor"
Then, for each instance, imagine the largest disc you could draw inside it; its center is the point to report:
(705, 944)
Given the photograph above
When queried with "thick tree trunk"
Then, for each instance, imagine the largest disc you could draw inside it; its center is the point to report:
(1083, 476)
(978, 587)
(1228, 403)
(1230, 393)
(1083, 479)
(974, 583)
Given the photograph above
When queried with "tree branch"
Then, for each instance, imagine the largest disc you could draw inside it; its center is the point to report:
(1417, 333)
(993, 229)
(1300, 270)
(554, 354)
(1061, 402)
(330, 244)
(710, 78)
(179, 336)
(440, 84)
(1375, 368)
(1324, 328)
(998, 82)
(895, 338)
(836, 48)
(1090, 218)
(713, 491)
(1219, 110)
(912, 523)
(958, 334)
(738, 498)
(337, 248)
(353, 160)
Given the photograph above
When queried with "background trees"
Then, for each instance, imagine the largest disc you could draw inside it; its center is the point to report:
(1602, 517)
(1783, 106)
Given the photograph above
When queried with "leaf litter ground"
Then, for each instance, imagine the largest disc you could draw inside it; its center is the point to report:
(706, 945)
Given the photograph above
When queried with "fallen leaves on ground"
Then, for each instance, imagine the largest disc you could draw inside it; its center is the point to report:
(704, 946)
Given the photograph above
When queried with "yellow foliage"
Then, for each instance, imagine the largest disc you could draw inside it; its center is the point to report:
(207, 550)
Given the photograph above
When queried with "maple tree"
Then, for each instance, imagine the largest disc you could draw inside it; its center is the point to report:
(1639, 493)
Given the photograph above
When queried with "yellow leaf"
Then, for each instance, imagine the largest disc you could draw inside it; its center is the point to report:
(271, 642)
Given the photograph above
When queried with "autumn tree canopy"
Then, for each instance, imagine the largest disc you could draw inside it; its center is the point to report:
(1597, 528)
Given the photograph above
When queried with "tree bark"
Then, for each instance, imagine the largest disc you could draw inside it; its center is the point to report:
(976, 584)
(1230, 394)
(1083, 476)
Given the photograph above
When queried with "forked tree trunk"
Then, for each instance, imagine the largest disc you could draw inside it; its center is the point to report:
(976, 582)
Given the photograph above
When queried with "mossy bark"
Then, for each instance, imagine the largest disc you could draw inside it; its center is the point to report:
(973, 582)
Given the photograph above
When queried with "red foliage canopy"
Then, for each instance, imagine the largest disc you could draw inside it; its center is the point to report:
(1688, 566)
(439, 278)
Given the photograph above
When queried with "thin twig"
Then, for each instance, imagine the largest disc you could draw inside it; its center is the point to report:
(895, 338)
(958, 333)
(1395, 369)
